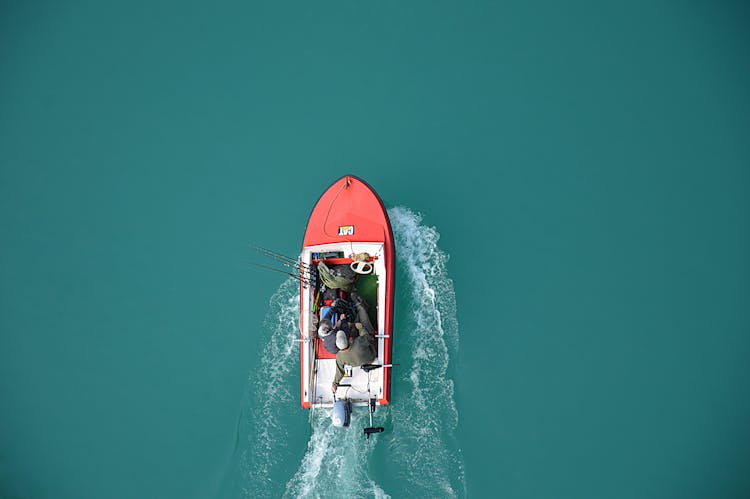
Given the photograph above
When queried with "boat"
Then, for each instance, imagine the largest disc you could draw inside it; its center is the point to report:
(348, 235)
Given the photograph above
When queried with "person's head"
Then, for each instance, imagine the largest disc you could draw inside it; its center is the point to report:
(324, 329)
(342, 342)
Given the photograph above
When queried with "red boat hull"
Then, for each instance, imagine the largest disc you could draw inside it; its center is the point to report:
(350, 211)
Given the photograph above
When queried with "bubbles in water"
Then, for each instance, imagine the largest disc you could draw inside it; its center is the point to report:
(426, 451)
(336, 463)
(268, 436)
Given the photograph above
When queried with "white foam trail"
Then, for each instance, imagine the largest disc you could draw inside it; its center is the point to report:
(425, 451)
(336, 462)
(271, 392)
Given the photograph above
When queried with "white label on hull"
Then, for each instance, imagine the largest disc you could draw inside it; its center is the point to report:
(346, 230)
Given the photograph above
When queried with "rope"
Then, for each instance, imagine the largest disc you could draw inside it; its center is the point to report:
(325, 222)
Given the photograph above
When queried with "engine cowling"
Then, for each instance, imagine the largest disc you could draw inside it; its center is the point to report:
(341, 413)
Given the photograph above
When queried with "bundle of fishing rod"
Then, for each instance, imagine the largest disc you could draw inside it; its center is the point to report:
(306, 274)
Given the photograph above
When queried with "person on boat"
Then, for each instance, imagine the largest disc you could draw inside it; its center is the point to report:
(327, 318)
(329, 332)
(341, 306)
(333, 309)
(356, 351)
(360, 307)
(353, 352)
(325, 328)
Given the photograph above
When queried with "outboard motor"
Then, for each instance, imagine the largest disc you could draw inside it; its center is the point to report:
(341, 413)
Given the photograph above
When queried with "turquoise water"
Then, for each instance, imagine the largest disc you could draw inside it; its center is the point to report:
(569, 185)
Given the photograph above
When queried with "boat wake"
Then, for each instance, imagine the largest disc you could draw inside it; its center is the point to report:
(417, 456)
(424, 416)
(336, 462)
(270, 397)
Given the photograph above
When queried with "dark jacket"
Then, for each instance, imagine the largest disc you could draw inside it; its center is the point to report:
(329, 342)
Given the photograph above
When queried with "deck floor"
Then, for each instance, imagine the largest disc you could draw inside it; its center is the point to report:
(358, 391)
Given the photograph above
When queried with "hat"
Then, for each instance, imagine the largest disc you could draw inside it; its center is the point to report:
(341, 341)
(324, 330)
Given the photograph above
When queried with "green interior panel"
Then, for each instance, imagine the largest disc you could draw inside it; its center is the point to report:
(367, 287)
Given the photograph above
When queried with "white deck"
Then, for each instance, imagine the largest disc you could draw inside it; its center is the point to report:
(317, 378)
(358, 393)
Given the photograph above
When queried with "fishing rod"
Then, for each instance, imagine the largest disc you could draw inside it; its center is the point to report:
(298, 277)
(307, 273)
(283, 259)
(274, 254)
